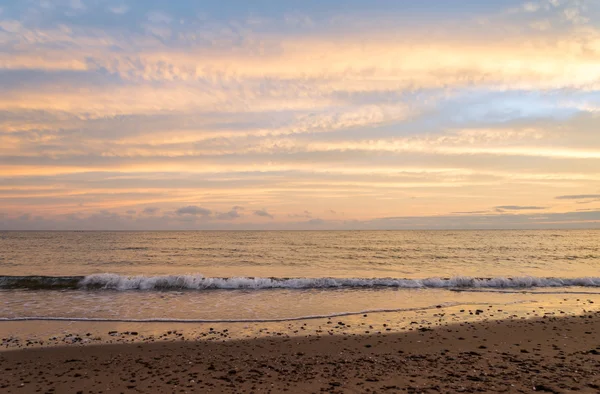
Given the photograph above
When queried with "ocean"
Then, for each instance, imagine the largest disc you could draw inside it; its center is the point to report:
(238, 276)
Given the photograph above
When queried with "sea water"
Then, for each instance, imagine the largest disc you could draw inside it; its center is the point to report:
(221, 276)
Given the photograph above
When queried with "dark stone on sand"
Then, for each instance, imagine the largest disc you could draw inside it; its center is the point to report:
(543, 387)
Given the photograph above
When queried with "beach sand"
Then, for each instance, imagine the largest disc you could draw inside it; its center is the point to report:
(547, 354)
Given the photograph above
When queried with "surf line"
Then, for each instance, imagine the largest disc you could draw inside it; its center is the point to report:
(274, 320)
(522, 291)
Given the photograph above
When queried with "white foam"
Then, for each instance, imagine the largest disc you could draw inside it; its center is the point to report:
(199, 282)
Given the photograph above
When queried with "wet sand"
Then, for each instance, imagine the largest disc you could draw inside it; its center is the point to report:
(546, 354)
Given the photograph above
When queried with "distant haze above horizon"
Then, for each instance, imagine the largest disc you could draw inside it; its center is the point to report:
(154, 115)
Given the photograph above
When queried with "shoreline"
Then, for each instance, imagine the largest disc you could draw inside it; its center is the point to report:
(552, 354)
(18, 334)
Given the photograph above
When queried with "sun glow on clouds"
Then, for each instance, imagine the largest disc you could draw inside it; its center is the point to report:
(119, 116)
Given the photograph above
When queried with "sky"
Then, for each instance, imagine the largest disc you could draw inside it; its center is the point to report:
(268, 114)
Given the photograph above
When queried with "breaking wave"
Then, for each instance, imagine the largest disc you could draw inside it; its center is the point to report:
(199, 282)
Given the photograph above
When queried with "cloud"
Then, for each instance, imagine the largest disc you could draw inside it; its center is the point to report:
(577, 196)
(470, 212)
(230, 215)
(131, 212)
(305, 214)
(263, 213)
(161, 108)
(109, 220)
(518, 207)
(193, 210)
(119, 10)
(77, 4)
(151, 210)
(588, 201)
(159, 17)
(590, 219)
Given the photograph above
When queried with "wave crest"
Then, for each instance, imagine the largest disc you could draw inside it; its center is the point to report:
(199, 282)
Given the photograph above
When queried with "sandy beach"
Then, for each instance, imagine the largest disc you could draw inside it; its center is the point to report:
(545, 354)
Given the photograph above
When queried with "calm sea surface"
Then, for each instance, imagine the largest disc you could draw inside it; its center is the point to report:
(278, 275)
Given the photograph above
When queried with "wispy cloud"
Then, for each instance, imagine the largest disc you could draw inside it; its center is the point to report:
(114, 221)
(193, 210)
(119, 9)
(578, 196)
(168, 115)
(519, 208)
